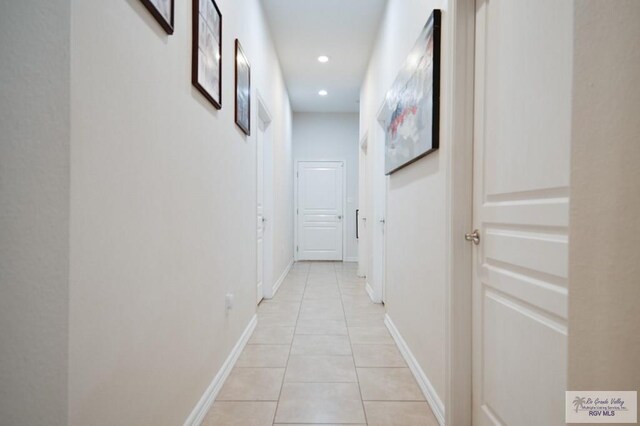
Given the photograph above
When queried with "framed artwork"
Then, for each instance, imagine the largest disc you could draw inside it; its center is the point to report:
(206, 66)
(163, 11)
(243, 90)
(410, 115)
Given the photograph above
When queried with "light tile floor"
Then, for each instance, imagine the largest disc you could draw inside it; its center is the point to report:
(320, 355)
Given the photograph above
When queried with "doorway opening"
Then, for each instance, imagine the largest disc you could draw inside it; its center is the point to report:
(264, 203)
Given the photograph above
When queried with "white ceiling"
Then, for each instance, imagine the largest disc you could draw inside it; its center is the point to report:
(344, 30)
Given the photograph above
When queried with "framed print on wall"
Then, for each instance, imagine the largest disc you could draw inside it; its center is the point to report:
(410, 114)
(206, 66)
(163, 11)
(243, 90)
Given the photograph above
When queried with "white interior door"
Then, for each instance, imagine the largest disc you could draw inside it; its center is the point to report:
(261, 219)
(521, 190)
(320, 210)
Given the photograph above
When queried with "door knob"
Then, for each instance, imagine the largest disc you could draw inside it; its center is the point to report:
(339, 217)
(382, 221)
(473, 236)
(264, 219)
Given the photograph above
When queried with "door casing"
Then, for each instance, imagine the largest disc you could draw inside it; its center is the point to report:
(378, 225)
(457, 121)
(362, 206)
(264, 123)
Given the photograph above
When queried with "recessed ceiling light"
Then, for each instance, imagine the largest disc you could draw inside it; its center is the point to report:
(323, 59)
(323, 93)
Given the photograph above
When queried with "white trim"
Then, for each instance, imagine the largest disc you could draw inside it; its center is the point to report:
(377, 199)
(263, 116)
(369, 290)
(295, 212)
(351, 259)
(363, 196)
(425, 385)
(371, 293)
(278, 283)
(296, 171)
(457, 127)
(202, 407)
(345, 214)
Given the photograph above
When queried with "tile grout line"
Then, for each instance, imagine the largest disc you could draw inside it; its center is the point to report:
(305, 284)
(351, 346)
(306, 280)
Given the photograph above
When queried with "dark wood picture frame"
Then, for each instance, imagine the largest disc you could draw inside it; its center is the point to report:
(241, 59)
(167, 25)
(199, 53)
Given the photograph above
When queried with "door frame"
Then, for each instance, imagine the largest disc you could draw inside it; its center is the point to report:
(363, 196)
(376, 283)
(264, 116)
(458, 129)
(295, 201)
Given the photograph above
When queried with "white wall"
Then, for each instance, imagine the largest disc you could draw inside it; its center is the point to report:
(163, 209)
(416, 241)
(604, 342)
(34, 211)
(332, 136)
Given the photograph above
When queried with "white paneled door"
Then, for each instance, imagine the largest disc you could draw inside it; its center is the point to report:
(521, 201)
(320, 210)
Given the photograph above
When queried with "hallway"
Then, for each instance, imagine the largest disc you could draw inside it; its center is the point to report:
(320, 354)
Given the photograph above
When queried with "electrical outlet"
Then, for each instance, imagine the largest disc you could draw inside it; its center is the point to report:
(228, 301)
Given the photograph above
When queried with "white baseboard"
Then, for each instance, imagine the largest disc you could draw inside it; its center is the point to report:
(278, 283)
(371, 294)
(202, 407)
(369, 290)
(425, 385)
